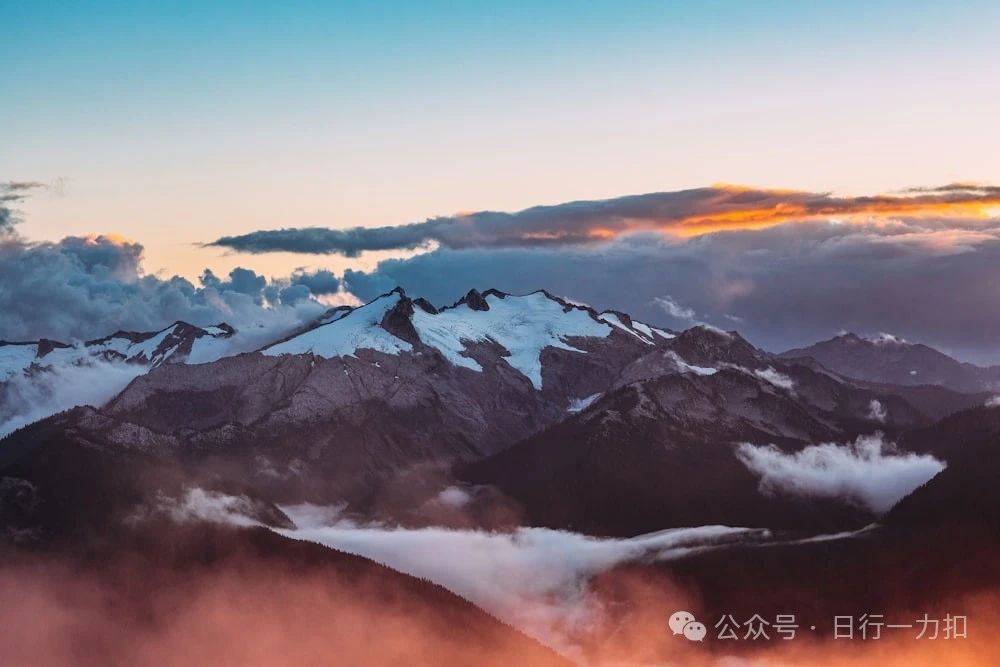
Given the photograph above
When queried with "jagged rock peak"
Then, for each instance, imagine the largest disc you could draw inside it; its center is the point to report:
(474, 300)
(46, 345)
(706, 344)
(225, 331)
(495, 292)
(425, 305)
(397, 320)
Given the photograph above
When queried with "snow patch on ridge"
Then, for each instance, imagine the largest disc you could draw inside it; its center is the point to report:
(686, 367)
(359, 329)
(616, 321)
(648, 331)
(523, 325)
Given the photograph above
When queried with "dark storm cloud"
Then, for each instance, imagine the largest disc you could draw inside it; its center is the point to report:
(241, 281)
(316, 240)
(320, 282)
(86, 287)
(683, 213)
(928, 280)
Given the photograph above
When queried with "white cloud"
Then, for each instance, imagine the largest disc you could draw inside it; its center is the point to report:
(533, 578)
(776, 378)
(536, 579)
(581, 404)
(868, 472)
(684, 366)
(453, 496)
(883, 338)
(674, 309)
(211, 506)
(993, 401)
(27, 398)
(877, 411)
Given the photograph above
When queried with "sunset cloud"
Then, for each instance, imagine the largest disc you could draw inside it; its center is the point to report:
(783, 287)
(683, 213)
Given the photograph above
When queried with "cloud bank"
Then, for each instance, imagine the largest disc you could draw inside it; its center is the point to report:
(685, 213)
(868, 472)
(25, 399)
(536, 579)
(930, 280)
(845, 263)
(533, 578)
(82, 288)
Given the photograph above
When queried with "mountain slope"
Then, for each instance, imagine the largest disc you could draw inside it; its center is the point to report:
(886, 359)
(661, 452)
(178, 594)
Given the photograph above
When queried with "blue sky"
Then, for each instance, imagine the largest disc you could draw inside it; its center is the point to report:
(176, 123)
(170, 119)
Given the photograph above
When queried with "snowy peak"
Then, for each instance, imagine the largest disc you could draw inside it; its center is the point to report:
(474, 300)
(522, 325)
(644, 332)
(175, 344)
(178, 343)
(360, 328)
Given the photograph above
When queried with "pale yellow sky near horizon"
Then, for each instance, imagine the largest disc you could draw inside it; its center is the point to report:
(173, 126)
(172, 228)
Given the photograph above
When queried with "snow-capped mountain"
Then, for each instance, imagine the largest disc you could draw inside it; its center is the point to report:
(379, 388)
(180, 342)
(499, 411)
(532, 391)
(522, 326)
(40, 378)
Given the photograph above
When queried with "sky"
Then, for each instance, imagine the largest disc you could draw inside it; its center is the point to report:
(175, 124)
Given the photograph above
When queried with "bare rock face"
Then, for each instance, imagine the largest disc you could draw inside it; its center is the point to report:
(425, 305)
(705, 346)
(398, 321)
(475, 301)
(45, 346)
(659, 450)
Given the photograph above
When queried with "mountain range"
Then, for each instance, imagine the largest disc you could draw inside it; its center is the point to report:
(891, 360)
(503, 411)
